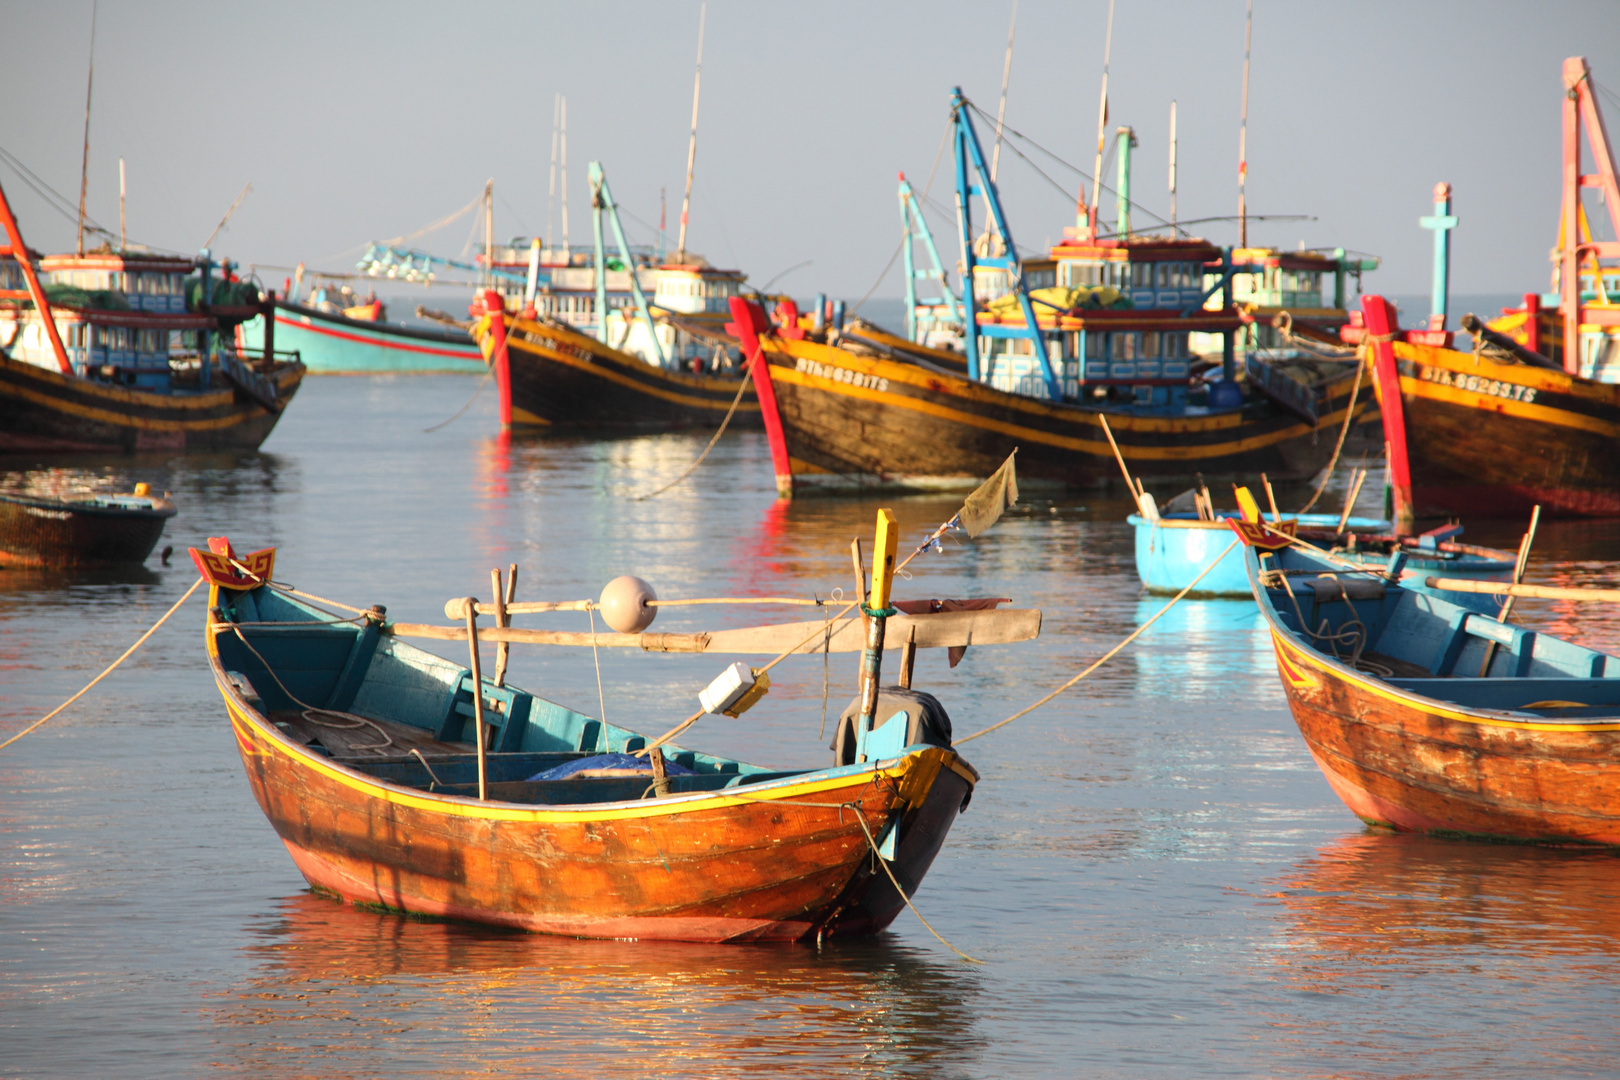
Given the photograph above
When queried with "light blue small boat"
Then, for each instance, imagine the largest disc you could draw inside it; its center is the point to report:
(1172, 551)
(332, 344)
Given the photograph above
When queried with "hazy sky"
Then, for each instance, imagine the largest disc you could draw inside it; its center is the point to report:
(356, 121)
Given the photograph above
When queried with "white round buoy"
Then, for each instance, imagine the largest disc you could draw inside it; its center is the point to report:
(624, 605)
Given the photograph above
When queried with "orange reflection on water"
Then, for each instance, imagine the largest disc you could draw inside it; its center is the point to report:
(348, 991)
(1372, 906)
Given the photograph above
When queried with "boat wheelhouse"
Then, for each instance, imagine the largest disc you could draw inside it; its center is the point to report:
(691, 305)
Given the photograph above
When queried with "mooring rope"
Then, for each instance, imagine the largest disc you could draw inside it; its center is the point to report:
(138, 643)
(1109, 655)
(1349, 417)
(479, 389)
(690, 469)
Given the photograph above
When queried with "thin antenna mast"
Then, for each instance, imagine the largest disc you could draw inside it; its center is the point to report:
(1001, 113)
(563, 179)
(1172, 170)
(1243, 136)
(89, 85)
(123, 233)
(489, 232)
(691, 146)
(1102, 128)
(551, 185)
(221, 226)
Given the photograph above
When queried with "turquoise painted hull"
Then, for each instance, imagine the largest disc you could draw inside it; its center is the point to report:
(332, 345)
(1168, 559)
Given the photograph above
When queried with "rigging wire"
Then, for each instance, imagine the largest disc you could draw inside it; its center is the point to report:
(905, 231)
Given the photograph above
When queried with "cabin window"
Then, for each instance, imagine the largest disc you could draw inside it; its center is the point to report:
(1150, 345)
(1124, 346)
(1094, 345)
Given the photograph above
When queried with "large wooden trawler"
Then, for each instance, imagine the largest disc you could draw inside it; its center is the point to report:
(659, 364)
(1100, 328)
(126, 359)
(1532, 415)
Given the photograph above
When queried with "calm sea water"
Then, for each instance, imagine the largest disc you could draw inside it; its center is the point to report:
(1157, 878)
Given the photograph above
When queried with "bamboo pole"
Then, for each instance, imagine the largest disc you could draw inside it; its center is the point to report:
(477, 692)
(1518, 577)
(1119, 457)
(503, 649)
(1271, 497)
(1529, 592)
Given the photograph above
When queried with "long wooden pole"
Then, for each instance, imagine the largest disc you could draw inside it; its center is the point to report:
(1119, 457)
(1529, 592)
(478, 695)
(691, 146)
(1518, 577)
(503, 649)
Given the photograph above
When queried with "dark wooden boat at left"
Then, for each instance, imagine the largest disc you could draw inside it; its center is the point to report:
(83, 530)
(1428, 716)
(361, 750)
(124, 351)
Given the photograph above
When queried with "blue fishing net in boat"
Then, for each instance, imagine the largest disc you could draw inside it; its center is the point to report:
(608, 761)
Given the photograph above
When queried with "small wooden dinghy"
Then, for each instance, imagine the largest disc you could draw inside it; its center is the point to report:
(1427, 716)
(85, 530)
(361, 750)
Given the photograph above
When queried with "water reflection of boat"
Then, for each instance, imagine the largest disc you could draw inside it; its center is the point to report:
(568, 1006)
(1381, 898)
(1427, 716)
(730, 851)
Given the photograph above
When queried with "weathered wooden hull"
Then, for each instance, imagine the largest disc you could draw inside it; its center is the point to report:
(784, 861)
(46, 532)
(44, 410)
(1491, 439)
(862, 421)
(331, 344)
(1410, 763)
(563, 380)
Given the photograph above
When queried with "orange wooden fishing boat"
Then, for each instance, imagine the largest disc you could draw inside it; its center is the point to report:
(363, 752)
(1427, 716)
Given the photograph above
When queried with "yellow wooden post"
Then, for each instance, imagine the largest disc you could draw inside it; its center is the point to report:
(884, 547)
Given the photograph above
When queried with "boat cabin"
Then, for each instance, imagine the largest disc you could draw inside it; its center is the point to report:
(691, 303)
(122, 318)
(1110, 314)
(1266, 281)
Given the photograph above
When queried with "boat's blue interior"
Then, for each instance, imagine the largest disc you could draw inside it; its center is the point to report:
(302, 661)
(1434, 647)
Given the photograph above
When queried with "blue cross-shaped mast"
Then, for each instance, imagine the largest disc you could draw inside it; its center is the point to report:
(1442, 223)
(968, 153)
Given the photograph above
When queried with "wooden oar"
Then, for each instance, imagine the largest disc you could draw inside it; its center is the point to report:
(1530, 592)
(935, 630)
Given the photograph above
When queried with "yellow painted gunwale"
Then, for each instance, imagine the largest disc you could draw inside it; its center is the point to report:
(1300, 656)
